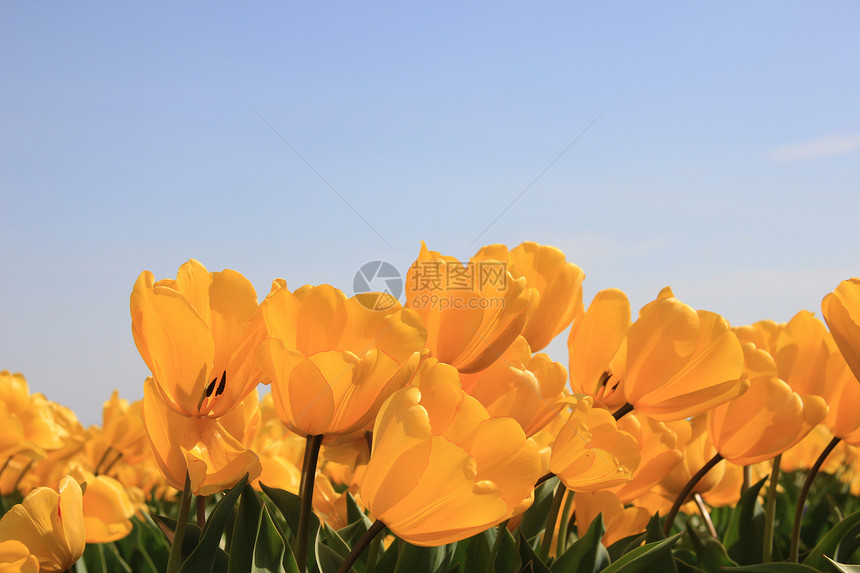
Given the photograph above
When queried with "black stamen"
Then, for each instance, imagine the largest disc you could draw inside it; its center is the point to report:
(223, 383)
(211, 387)
(604, 378)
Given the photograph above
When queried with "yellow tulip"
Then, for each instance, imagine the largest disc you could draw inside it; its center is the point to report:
(16, 558)
(213, 451)
(681, 362)
(658, 450)
(801, 352)
(50, 524)
(620, 522)
(197, 334)
(332, 361)
(559, 285)
(441, 468)
(107, 507)
(767, 420)
(597, 347)
(698, 448)
(590, 452)
(525, 387)
(472, 312)
(841, 310)
(842, 394)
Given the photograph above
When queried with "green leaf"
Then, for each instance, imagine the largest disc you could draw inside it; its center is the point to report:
(711, 556)
(587, 554)
(653, 533)
(644, 558)
(507, 558)
(204, 555)
(328, 560)
(841, 567)
(478, 550)
(245, 531)
(829, 544)
(114, 562)
(269, 546)
(774, 568)
(534, 519)
(744, 538)
(94, 558)
(191, 539)
(528, 558)
(624, 546)
(414, 559)
(290, 506)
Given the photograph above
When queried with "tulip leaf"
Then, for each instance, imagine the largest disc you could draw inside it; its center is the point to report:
(528, 558)
(773, 568)
(328, 560)
(587, 554)
(534, 519)
(845, 531)
(94, 558)
(841, 567)
(354, 513)
(245, 530)
(477, 551)
(625, 545)
(744, 537)
(507, 558)
(204, 555)
(333, 541)
(271, 551)
(711, 556)
(414, 559)
(644, 558)
(290, 506)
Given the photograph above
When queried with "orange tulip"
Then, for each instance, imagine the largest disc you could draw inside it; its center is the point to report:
(16, 558)
(332, 361)
(442, 469)
(50, 524)
(620, 522)
(841, 310)
(658, 450)
(559, 285)
(681, 362)
(472, 312)
(197, 334)
(597, 347)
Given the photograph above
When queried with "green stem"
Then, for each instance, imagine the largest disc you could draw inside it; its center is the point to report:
(801, 499)
(102, 460)
(622, 411)
(174, 562)
(312, 451)
(770, 512)
(362, 543)
(682, 497)
(549, 530)
(561, 544)
(22, 474)
(113, 463)
(706, 517)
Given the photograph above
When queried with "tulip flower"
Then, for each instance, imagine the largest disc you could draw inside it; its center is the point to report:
(767, 420)
(441, 468)
(597, 347)
(559, 285)
(472, 312)
(197, 334)
(658, 450)
(698, 448)
(212, 451)
(841, 310)
(16, 558)
(590, 452)
(106, 505)
(842, 396)
(681, 362)
(620, 522)
(525, 387)
(801, 352)
(50, 524)
(332, 361)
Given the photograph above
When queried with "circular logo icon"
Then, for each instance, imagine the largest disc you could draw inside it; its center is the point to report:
(380, 284)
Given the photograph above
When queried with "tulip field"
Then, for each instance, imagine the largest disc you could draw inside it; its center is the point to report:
(433, 435)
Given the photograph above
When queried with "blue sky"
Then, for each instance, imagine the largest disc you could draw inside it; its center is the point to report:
(722, 157)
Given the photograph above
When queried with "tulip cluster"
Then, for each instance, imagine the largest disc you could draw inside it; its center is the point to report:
(436, 420)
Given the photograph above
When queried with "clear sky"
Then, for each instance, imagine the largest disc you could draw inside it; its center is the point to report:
(718, 152)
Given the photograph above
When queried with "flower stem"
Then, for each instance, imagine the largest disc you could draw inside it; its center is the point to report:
(551, 518)
(801, 499)
(706, 517)
(102, 460)
(544, 478)
(682, 497)
(561, 544)
(362, 543)
(622, 411)
(175, 560)
(770, 512)
(312, 451)
(747, 479)
(201, 511)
